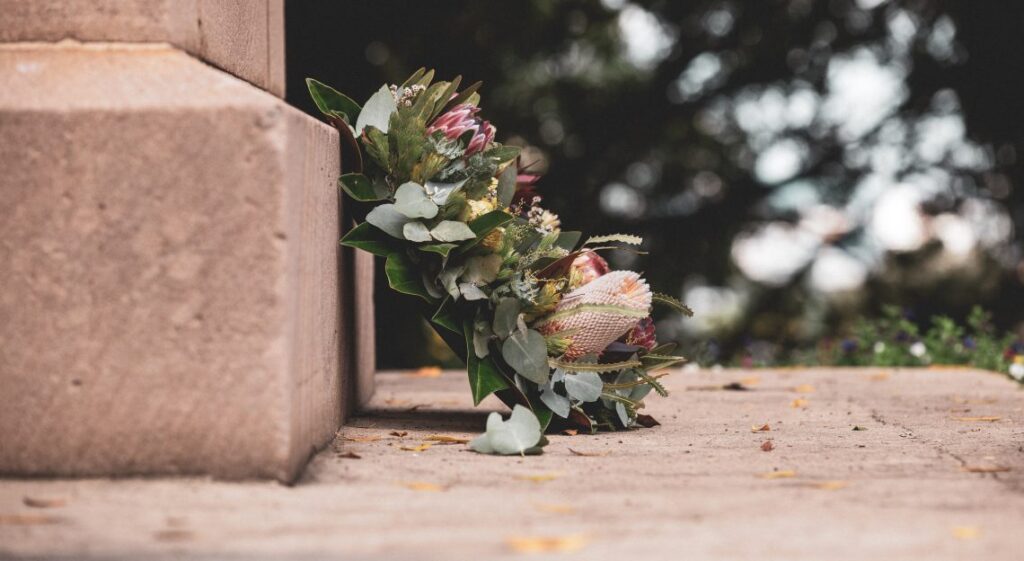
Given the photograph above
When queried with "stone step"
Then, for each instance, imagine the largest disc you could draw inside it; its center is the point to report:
(169, 250)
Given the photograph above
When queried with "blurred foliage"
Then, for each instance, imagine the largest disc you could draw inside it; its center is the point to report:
(755, 145)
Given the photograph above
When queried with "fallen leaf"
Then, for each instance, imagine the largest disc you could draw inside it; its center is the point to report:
(421, 448)
(799, 403)
(47, 502)
(521, 544)
(396, 402)
(767, 446)
(371, 438)
(422, 486)
(858, 427)
(782, 474)
(986, 469)
(750, 380)
(172, 535)
(966, 532)
(556, 508)
(988, 419)
(736, 387)
(804, 388)
(763, 428)
(831, 485)
(570, 432)
(582, 453)
(879, 376)
(646, 421)
(539, 477)
(428, 372)
(398, 433)
(445, 439)
(350, 455)
(30, 519)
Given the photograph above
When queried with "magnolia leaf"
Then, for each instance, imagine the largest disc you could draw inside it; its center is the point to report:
(622, 238)
(505, 315)
(671, 302)
(441, 192)
(482, 269)
(358, 186)
(388, 219)
(447, 316)
(377, 111)
(557, 403)
(442, 249)
(527, 353)
(584, 386)
(484, 376)
(452, 231)
(412, 201)
(507, 186)
(471, 291)
(416, 232)
(368, 238)
(404, 277)
(331, 102)
(516, 436)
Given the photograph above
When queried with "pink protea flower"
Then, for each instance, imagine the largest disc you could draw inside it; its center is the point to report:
(641, 335)
(596, 314)
(462, 119)
(585, 268)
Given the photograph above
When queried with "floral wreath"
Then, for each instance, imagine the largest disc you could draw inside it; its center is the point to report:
(539, 318)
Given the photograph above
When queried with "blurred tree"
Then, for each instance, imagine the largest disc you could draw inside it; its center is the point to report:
(792, 163)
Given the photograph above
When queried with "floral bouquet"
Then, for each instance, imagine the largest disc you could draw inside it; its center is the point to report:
(539, 318)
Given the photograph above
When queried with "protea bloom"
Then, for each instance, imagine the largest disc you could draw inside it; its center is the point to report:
(585, 268)
(596, 314)
(641, 335)
(462, 119)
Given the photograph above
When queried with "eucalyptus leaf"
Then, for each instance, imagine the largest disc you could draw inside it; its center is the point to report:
(388, 219)
(517, 435)
(505, 315)
(482, 269)
(432, 289)
(471, 291)
(439, 193)
(452, 231)
(557, 403)
(620, 410)
(527, 353)
(412, 201)
(448, 278)
(584, 386)
(507, 186)
(377, 111)
(416, 232)
(481, 337)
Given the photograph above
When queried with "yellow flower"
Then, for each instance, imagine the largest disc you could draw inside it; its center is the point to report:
(478, 208)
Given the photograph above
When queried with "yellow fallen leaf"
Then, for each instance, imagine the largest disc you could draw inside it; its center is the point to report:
(879, 376)
(370, 438)
(395, 402)
(966, 532)
(445, 439)
(535, 544)
(556, 508)
(428, 372)
(763, 428)
(987, 419)
(44, 502)
(539, 477)
(750, 380)
(585, 453)
(28, 519)
(804, 388)
(831, 485)
(421, 448)
(799, 403)
(781, 474)
(422, 486)
(986, 469)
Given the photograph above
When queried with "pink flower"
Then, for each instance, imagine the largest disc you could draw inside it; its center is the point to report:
(462, 119)
(641, 335)
(586, 267)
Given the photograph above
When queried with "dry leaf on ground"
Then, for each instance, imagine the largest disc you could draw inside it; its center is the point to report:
(986, 469)
(985, 419)
(767, 446)
(525, 544)
(428, 372)
(422, 486)
(831, 485)
(879, 377)
(445, 439)
(398, 433)
(781, 474)
(799, 403)
(556, 508)
(859, 428)
(28, 519)
(804, 388)
(570, 432)
(585, 453)
(44, 502)
(539, 477)
(750, 380)
(966, 532)
(421, 448)
(173, 535)
(371, 438)
(763, 428)
(349, 455)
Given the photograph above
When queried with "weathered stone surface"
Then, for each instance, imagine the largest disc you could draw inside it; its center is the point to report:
(243, 37)
(169, 268)
(690, 489)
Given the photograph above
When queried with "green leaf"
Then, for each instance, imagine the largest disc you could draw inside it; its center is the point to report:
(484, 376)
(414, 77)
(584, 386)
(501, 154)
(442, 249)
(369, 238)
(518, 435)
(446, 316)
(358, 186)
(416, 232)
(526, 352)
(377, 111)
(463, 96)
(506, 315)
(483, 225)
(568, 240)
(388, 219)
(507, 186)
(331, 102)
(623, 238)
(657, 362)
(412, 201)
(452, 231)
(675, 304)
(404, 277)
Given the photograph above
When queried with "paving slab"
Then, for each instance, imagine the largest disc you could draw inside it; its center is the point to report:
(868, 464)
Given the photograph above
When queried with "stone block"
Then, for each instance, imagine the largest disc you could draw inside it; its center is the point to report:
(243, 37)
(169, 262)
